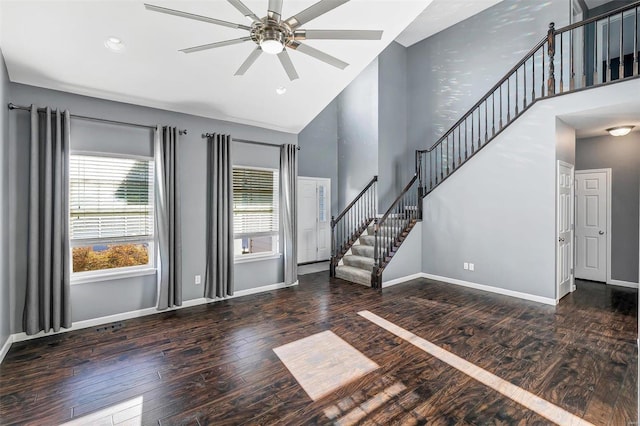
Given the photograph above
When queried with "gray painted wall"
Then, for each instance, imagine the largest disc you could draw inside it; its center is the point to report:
(5, 296)
(110, 297)
(498, 211)
(395, 159)
(358, 134)
(408, 259)
(565, 142)
(622, 155)
(451, 70)
(319, 150)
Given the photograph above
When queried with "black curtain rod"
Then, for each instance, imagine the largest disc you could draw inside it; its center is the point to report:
(101, 120)
(208, 135)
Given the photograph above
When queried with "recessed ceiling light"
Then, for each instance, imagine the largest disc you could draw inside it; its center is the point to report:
(114, 44)
(620, 130)
(281, 90)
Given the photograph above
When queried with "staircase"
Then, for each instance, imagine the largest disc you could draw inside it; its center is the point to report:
(363, 242)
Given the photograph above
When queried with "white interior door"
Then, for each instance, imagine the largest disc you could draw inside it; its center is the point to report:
(591, 225)
(324, 219)
(564, 252)
(307, 220)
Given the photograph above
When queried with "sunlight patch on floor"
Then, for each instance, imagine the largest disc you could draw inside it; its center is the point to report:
(128, 413)
(323, 362)
(527, 399)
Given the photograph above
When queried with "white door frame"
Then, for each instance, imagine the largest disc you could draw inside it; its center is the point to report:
(608, 234)
(573, 236)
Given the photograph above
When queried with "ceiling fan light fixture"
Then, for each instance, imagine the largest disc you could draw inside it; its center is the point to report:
(281, 90)
(272, 47)
(620, 130)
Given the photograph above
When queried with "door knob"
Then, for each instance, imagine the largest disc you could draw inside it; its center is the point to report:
(601, 232)
(560, 239)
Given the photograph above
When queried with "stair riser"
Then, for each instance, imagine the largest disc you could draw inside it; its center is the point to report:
(365, 264)
(360, 250)
(361, 277)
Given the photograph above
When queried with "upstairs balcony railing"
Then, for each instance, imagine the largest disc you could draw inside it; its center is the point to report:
(590, 53)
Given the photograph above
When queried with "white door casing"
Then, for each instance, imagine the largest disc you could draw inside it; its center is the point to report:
(592, 224)
(314, 219)
(307, 220)
(564, 226)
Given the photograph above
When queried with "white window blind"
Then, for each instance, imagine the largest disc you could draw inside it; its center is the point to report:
(255, 202)
(110, 199)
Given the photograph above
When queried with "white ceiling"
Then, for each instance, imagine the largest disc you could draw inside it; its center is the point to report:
(59, 45)
(595, 122)
(439, 15)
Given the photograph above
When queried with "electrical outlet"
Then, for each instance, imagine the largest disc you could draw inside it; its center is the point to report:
(198, 280)
(465, 266)
(472, 267)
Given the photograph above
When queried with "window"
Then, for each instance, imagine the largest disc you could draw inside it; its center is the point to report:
(255, 212)
(111, 214)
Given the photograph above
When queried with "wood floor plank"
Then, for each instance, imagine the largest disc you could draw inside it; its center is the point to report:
(215, 363)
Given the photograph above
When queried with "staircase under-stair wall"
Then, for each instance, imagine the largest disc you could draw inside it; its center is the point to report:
(365, 242)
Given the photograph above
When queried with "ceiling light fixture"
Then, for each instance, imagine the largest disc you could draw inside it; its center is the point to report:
(620, 130)
(114, 44)
(272, 47)
(281, 90)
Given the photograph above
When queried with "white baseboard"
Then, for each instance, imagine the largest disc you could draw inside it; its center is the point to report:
(78, 325)
(621, 283)
(5, 347)
(401, 280)
(519, 295)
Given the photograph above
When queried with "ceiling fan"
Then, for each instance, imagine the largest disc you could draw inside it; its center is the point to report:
(274, 35)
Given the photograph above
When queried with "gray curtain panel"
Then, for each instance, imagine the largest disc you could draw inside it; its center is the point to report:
(47, 303)
(288, 210)
(167, 206)
(219, 268)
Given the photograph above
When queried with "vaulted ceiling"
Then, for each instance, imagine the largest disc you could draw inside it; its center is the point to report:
(60, 45)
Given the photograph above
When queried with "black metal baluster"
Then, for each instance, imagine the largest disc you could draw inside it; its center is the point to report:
(447, 155)
(524, 86)
(608, 49)
(542, 75)
(493, 113)
(595, 53)
(561, 64)
(572, 71)
(533, 76)
(621, 64)
(459, 147)
(473, 149)
(516, 100)
(466, 131)
(501, 100)
(636, 67)
(486, 121)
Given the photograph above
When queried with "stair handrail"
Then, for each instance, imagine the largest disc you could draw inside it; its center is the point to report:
(351, 222)
(355, 200)
(548, 87)
(387, 238)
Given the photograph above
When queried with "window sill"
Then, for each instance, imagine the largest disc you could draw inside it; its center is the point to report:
(257, 258)
(111, 276)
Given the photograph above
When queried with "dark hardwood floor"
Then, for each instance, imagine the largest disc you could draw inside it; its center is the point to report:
(214, 364)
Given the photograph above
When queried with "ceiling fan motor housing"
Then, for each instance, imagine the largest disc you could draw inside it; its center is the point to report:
(268, 29)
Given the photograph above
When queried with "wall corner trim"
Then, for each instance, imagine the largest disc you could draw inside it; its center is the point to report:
(5, 347)
(20, 337)
(404, 279)
(620, 283)
(517, 294)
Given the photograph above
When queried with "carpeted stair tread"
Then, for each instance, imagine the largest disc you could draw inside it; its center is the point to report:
(362, 262)
(362, 250)
(355, 275)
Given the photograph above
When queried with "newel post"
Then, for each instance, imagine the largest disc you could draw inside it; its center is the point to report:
(332, 264)
(551, 43)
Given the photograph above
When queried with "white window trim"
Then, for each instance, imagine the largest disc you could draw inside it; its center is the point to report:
(257, 257)
(78, 278)
(87, 277)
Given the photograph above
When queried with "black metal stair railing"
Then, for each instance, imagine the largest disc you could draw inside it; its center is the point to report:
(590, 53)
(352, 221)
(392, 228)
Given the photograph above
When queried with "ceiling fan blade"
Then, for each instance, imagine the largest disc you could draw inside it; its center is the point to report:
(244, 10)
(249, 61)
(311, 51)
(285, 60)
(338, 35)
(275, 9)
(216, 44)
(313, 11)
(195, 17)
